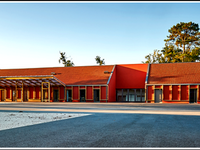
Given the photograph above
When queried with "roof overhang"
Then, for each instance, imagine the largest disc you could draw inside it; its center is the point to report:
(29, 80)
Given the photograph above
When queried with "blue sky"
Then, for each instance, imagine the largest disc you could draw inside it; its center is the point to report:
(32, 34)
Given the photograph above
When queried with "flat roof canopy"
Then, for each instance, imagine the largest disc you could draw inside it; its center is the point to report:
(6, 81)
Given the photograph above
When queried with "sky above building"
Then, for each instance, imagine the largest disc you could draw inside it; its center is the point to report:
(33, 33)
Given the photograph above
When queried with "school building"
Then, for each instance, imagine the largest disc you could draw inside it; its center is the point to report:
(141, 83)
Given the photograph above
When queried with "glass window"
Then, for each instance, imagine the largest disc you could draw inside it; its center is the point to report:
(131, 95)
(143, 95)
(119, 95)
(125, 95)
(138, 95)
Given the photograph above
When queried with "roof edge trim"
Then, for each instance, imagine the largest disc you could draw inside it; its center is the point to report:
(111, 74)
(147, 75)
(59, 81)
(37, 76)
(176, 84)
(89, 85)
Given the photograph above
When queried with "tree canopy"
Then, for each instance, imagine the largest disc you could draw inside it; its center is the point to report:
(99, 60)
(65, 62)
(181, 45)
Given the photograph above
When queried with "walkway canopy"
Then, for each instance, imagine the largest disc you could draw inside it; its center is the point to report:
(45, 81)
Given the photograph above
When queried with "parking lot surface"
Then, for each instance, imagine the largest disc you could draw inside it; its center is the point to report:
(112, 125)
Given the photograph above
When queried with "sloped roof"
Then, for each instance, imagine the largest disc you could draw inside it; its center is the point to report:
(86, 75)
(174, 73)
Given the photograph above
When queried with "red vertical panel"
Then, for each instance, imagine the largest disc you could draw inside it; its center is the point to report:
(37, 91)
(19, 94)
(62, 90)
(112, 87)
(184, 92)
(166, 92)
(31, 92)
(175, 92)
(7, 92)
(75, 92)
(89, 92)
(150, 92)
(103, 92)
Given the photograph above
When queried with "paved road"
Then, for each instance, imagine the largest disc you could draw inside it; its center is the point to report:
(109, 125)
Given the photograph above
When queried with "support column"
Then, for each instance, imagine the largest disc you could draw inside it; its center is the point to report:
(16, 91)
(180, 92)
(34, 93)
(49, 91)
(22, 92)
(42, 92)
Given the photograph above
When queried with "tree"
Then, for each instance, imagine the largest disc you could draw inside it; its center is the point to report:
(182, 45)
(99, 61)
(185, 36)
(63, 58)
(156, 57)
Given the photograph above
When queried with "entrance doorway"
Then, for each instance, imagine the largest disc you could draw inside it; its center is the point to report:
(55, 95)
(82, 95)
(69, 95)
(96, 95)
(158, 95)
(193, 95)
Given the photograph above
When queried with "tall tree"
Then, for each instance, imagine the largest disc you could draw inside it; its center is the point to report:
(65, 62)
(185, 36)
(181, 45)
(99, 60)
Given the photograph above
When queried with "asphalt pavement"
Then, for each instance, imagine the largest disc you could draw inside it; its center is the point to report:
(110, 125)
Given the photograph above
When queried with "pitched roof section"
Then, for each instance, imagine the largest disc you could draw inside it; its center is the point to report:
(174, 73)
(86, 75)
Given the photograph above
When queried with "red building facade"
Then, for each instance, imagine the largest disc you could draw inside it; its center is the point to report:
(150, 83)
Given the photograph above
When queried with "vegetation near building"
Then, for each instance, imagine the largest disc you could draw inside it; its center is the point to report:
(63, 58)
(181, 45)
(99, 60)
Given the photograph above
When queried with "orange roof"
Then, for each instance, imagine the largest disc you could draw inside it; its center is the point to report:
(86, 75)
(174, 73)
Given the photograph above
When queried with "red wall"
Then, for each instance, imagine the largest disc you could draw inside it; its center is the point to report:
(89, 92)
(75, 93)
(166, 92)
(175, 93)
(37, 91)
(131, 76)
(8, 92)
(103, 92)
(112, 87)
(19, 94)
(184, 92)
(62, 92)
(150, 92)
(30, 92)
